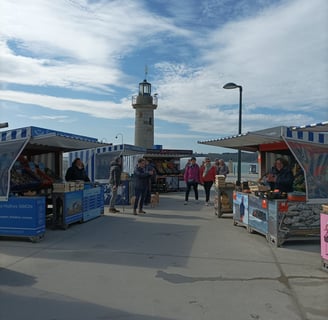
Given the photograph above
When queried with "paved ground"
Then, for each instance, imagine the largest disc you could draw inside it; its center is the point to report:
(174, 263)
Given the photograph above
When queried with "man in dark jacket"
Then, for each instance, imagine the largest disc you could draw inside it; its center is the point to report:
(76, 172)
(141, 181)
(115, 171)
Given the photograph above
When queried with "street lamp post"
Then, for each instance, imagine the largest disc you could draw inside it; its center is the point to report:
(231, 85)
(116, 137)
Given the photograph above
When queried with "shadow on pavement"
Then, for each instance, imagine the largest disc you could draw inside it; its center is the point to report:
(45, 305)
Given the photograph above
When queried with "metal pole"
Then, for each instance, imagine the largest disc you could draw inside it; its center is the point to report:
(239, 132)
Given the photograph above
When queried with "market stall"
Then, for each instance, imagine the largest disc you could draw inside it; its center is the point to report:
(97, 161)
(167, 166)
(278, 215)
(31, 163)
(166, 163)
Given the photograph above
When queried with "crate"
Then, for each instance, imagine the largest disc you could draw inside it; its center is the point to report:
(64, 187)
(79, 185)
(220, 181)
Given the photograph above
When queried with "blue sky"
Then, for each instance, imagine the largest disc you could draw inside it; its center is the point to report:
(74, 65)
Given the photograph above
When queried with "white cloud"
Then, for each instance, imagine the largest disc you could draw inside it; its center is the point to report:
(278, 54)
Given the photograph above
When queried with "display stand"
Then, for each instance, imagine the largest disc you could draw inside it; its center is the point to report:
(223, 201)
(23, 217)
(278, 220)
(67, 208)
(292, 220)
(93, 203)
(258, 215)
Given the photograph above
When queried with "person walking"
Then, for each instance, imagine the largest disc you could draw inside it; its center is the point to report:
(191, 178)
(141, 181)
(221, 167)
(115, 171)
(207, 178)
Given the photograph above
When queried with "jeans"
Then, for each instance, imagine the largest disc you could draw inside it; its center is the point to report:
(140, 198)
(207, 188)
(195, 186)
(113, 198)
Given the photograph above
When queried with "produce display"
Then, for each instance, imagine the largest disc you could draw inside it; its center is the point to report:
(22, 180)
(301, 215)
(26, 176)
(164, 167)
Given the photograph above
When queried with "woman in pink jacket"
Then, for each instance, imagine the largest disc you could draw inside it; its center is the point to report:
(191, 177)
(207, 178)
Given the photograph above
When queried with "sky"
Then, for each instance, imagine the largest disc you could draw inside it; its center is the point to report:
(74, 65)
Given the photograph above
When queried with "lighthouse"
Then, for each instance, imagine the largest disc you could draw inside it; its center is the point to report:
(144, 104)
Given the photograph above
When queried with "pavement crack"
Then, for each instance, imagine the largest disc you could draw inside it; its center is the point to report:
(179, 278)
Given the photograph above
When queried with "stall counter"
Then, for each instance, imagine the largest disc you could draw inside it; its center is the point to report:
(278, 220)
(23, 217)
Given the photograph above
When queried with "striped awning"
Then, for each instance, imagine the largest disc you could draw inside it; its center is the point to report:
(42, 140)
(316, 127)
(251, 141)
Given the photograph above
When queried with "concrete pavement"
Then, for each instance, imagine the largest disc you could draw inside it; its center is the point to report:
(176, 262)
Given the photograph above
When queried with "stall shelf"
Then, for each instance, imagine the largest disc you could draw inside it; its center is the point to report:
(67, 208)
(223, 199)
(23, 217)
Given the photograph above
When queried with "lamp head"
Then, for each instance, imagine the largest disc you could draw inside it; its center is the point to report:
(230, 85)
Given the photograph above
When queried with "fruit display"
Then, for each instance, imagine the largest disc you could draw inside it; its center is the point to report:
(26, 176)
(21, 180)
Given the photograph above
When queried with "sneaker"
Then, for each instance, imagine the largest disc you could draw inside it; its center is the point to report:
(206, 204)
(141, 211)
(186, 202)
(112, 210)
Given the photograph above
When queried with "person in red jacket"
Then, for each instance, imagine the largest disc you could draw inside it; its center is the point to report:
(207, 174)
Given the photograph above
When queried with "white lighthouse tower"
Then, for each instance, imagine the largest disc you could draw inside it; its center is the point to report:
(144, 104)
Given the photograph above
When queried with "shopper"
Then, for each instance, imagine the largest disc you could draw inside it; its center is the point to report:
(207, 178)
(191, 178)
(141, 181)
(76, 172)
(281, 178)
(115, 171)
(221, 167)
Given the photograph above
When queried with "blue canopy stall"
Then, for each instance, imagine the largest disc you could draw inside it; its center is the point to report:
(41, 149)
(295, 215)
